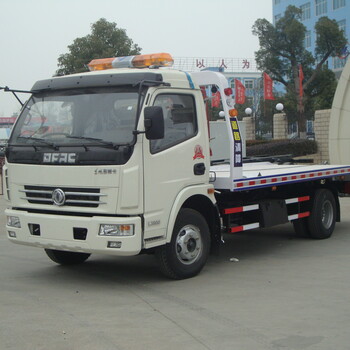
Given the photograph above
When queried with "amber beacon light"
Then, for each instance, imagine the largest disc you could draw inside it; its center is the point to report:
(140, 61)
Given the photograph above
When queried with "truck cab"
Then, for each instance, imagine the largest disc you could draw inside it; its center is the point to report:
(86, 172)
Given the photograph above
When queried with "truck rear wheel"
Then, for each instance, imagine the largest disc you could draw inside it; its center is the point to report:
(321, 221)
(188, 250)
(66, 258)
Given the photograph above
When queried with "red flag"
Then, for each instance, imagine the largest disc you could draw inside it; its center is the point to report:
(301, 78)
(268, 87)
(239, 92)
(215, 102)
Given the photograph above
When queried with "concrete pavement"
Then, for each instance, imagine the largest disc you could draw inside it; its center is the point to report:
(266, 290)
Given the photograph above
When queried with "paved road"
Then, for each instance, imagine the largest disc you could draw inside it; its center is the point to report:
(282, 293)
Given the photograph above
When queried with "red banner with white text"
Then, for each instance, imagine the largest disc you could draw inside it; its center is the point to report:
(239, 92)
(215, 102)
(268, 87)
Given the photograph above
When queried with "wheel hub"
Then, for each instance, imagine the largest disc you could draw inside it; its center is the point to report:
(188, 244)
(327, 214)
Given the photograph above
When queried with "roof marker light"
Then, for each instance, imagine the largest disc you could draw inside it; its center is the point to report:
(228, 91)
(140, 61)
(233, 112)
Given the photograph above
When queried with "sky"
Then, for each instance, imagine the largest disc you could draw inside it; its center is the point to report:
(34, 33)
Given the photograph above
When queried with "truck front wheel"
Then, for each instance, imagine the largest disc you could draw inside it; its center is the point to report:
(66, 258)
(188, 250)
(322, 220)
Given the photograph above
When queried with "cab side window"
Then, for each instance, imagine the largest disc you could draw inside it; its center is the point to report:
(179, 120)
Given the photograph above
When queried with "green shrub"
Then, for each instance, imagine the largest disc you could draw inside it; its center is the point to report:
(293, 147)
(255, 142)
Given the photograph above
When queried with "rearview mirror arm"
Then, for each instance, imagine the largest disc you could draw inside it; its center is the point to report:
(7, 89)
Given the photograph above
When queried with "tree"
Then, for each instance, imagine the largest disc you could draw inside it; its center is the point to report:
(105, 40)
(282, 52)
(323, 89)
(318, 95)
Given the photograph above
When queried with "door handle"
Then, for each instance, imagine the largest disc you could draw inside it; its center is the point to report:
(199, 169)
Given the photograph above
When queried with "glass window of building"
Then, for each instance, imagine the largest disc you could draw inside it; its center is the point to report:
(277, 2)
(307, 40)
(320, 7)
(278, 17)
(232, 84)
(305, 11)
(338, 62)
(338, 3)
(342, 25)
(248, 83)
(249, 101)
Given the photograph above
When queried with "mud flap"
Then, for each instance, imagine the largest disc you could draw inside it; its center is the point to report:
(273, 213)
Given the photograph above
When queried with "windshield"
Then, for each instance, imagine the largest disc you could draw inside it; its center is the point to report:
(80, 116)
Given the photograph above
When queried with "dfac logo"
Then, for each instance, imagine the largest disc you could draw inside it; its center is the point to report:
(58, 196)
(59, 158)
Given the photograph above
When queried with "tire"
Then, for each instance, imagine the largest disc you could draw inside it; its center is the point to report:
(321, 221)
(188, 250)
(66, 258)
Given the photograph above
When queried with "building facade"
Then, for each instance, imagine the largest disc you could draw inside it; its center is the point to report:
(243, 69)
(312, 10)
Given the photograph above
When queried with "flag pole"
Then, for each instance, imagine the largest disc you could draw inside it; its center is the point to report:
(301, 93)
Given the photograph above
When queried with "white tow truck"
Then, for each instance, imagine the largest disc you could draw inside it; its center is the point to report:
(119, 161)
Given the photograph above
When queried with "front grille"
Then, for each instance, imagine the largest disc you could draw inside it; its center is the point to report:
(75, 197)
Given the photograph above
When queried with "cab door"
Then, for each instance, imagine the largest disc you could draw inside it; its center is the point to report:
(175, 162)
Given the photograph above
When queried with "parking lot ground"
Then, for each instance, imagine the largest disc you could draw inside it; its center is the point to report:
(267, 289)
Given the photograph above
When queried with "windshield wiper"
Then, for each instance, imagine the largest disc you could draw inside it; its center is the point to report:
(37, 139)
(100, 141)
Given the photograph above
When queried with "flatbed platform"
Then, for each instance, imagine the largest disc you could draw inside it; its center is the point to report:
(267, 174)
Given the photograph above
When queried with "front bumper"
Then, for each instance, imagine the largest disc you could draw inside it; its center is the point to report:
(72, 233)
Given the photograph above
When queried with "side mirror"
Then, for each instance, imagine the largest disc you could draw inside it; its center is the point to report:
(2, 150)
(154, 123)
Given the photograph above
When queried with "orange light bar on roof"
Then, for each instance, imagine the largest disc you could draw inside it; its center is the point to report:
(101, 64)
(140, 61)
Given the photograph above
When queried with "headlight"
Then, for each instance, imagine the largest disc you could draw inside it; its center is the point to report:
(116, 230)
(13, 221)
